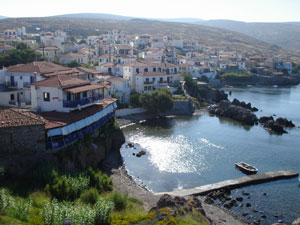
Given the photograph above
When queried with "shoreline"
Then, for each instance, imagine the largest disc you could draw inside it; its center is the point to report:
(125, 183)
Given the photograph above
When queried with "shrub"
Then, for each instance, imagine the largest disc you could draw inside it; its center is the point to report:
(13, 207)
(119, 200)
(90, 196)
(55, 213)
(100, 180)
(66, 187)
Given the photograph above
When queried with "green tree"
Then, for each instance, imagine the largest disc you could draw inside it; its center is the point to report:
(74, 63)
(157, 101)
(134, 99)
(82, 42)
(21, 55)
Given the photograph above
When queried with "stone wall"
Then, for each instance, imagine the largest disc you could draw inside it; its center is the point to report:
(22, 139)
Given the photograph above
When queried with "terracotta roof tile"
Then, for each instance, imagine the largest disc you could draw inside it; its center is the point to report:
(153, 74)
(39, 67)
(55, 119)
(18, 118)
(84, 88)
(62, 81)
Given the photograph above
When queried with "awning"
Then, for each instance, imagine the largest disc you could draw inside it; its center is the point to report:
(84, 88)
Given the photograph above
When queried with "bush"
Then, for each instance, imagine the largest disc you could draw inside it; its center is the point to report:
(135, 99)
(90, 196)
(157, 101)
(119, 200)
(14, 207)
(55, 213)
(66, 187)
(100, 180)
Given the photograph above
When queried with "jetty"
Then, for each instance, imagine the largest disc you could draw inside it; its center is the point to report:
(234, 183)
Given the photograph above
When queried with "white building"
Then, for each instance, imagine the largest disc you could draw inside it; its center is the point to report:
(17, 79)
(130, 71)
(121, 88)
(70, 57)
(149, 81)
(64, 94)
(50, 52)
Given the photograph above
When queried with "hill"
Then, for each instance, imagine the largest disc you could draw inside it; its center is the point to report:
(102, 16)
(204, 34)
(285, 35)
(2, 17)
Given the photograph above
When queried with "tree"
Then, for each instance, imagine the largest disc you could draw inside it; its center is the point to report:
(134, 99)
(157, 101)
(21, 55)
(82, 42)
(73, 64)
(204, 79)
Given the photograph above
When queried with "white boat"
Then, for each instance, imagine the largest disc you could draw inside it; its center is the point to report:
(246, 168)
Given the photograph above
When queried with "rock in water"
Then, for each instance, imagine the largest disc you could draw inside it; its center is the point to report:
(285, 122)
(141, 153)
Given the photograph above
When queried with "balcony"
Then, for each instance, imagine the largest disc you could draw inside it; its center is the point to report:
(11, 84)
(163, 82)
(84, 101)
(148, 82)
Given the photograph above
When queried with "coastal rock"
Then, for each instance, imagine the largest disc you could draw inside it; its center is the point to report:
(248, 205)
(256, 222)
(209, 201)
(238, 113)
(274, 127)
(244, 105)
(141, 153)
(239, 199)
(166, 201)
(264, 119)
(244, 213)
(285, 122)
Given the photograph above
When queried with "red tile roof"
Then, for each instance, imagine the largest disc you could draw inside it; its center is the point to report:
(62, 81)
(59, 119)
(18, 118)
(153, 74)
(84, 88)
(116, 79)
(39, 67)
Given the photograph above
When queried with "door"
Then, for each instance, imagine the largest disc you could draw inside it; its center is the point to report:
(12, 81)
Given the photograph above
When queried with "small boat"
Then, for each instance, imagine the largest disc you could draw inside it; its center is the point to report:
(246, 168)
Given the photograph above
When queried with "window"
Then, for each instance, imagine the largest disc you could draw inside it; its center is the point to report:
(21, 77)
(85, 94)
(12, 97)
(146, 70)
(68, 96)
(137, 70)
(154, 69)
(46, 97)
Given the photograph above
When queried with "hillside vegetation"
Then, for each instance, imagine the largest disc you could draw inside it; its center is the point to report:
(285, 35)
(206, 35)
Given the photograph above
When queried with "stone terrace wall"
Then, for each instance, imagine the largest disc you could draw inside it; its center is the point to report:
(22, 139)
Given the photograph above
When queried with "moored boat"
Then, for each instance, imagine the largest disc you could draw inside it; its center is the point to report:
(246, 168)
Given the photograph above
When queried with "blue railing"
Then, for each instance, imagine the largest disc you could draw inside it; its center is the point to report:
(83, 101)
(71, 138)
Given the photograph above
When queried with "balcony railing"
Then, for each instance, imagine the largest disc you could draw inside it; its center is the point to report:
(163, 82)
(11, 84)
(148, 82)
(84, 101)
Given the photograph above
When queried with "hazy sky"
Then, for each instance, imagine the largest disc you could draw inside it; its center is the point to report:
(244, 10)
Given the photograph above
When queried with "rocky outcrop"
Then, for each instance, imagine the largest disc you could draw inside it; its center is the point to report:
(169, 206)
(79, 156)
(285, 122)
(276, 126)
(216, 96)
(238, 113)
(244, 105)
(181, 108)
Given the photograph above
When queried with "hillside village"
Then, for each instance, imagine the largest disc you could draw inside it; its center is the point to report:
(73, 100)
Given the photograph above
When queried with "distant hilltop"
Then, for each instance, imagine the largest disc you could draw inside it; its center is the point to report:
(2, 17)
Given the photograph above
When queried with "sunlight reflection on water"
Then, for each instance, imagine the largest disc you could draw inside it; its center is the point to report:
(175, 154)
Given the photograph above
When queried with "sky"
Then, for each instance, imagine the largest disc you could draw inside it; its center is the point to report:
(242, 10)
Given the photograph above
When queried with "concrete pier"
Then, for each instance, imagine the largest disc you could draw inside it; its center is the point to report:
(234, 183)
